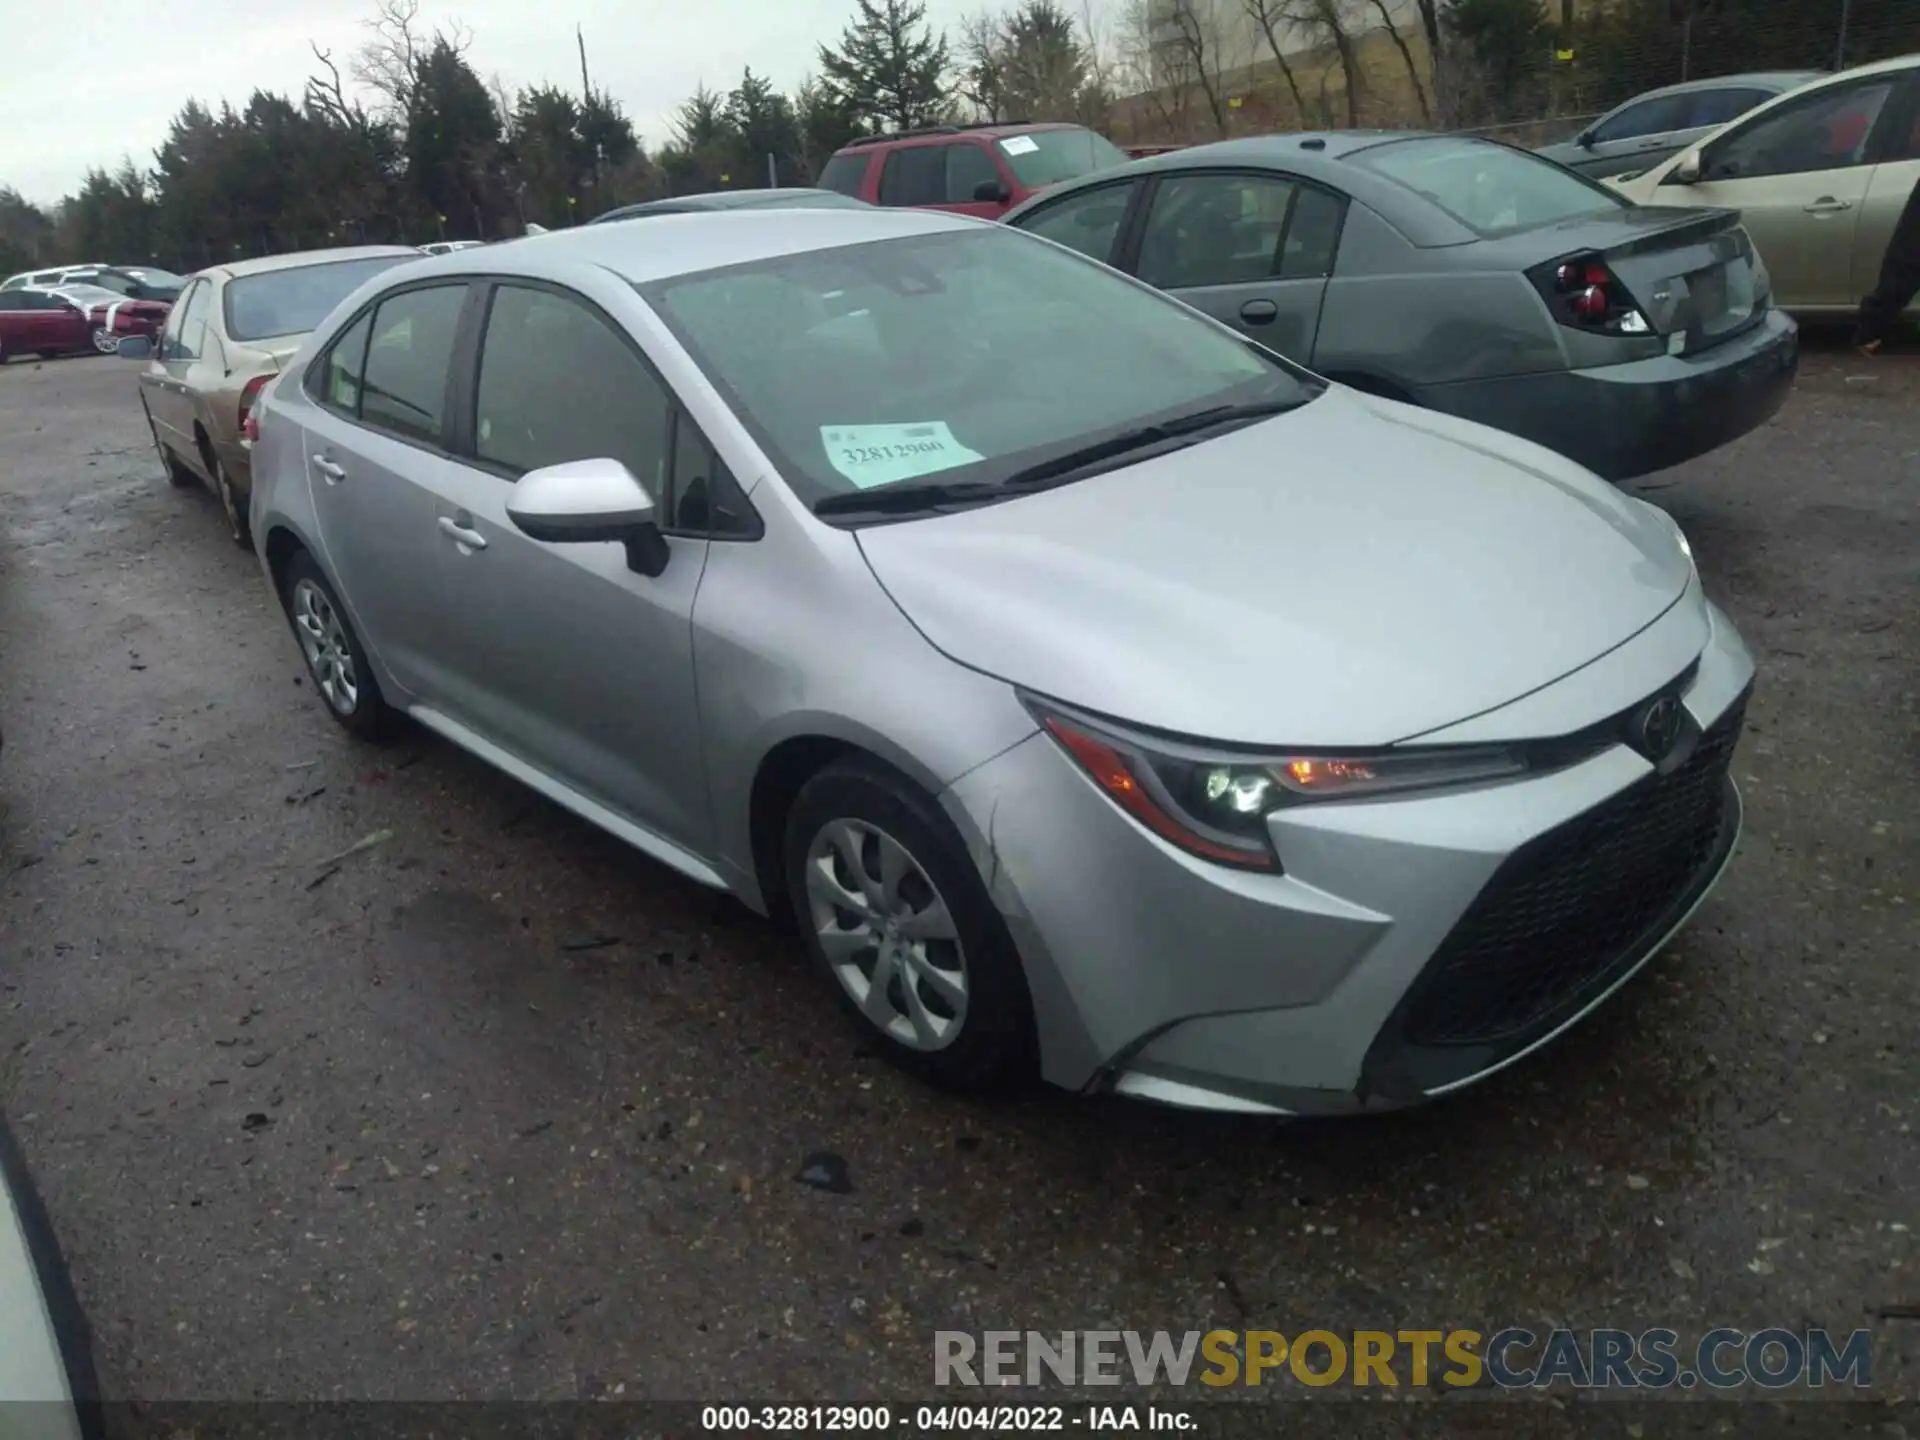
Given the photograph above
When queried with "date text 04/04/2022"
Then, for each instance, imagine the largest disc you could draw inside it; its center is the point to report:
(990, 1419)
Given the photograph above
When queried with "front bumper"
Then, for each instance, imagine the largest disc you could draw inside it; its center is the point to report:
(1626, 420)
(1411, 947)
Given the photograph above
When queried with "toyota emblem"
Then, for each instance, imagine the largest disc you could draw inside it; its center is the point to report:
(1656, 729)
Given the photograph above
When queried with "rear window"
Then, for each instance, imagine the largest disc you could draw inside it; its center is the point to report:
(292, 302)
(1491, 189)
(844, 173)
(1046, 157)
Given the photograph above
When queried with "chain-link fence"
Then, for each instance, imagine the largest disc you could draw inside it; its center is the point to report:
(1529, 75)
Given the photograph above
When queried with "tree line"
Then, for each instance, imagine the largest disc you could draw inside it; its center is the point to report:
(403, 141)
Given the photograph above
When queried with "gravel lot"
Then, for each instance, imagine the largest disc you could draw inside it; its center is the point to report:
(404, 1132)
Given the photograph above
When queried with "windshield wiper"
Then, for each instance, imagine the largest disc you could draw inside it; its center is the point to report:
(1107, 454)
(898, 499)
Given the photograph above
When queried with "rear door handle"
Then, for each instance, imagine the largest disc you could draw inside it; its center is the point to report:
(1827, 205)
(327, 468)
(471, 539)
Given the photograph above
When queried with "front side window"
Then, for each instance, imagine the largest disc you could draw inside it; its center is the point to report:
(557, 384)
(1490, 188)
(1046, 157)
(1827, 130)
(273, 303)
(403, 385)
(336, 382)
(1087, 221)
(914, 175)
(968, 168)
(1214, 230)
(845, 173)
(1644, 117)
(183, 338)
(974, 352)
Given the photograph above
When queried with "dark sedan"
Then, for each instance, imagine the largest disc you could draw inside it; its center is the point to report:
(788, 198)
(1460, 275)
(1633, 138)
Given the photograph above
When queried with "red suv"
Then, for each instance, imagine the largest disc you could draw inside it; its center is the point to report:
(982, 170)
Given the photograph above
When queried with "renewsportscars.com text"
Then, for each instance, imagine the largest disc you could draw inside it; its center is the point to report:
(1514, 1358)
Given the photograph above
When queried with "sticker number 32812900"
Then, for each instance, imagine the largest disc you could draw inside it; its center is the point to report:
(871, 455)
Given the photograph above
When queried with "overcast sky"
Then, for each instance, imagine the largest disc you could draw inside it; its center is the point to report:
(106, 85)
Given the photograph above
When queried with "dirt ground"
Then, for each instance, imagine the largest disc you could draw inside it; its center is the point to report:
(406, 1128)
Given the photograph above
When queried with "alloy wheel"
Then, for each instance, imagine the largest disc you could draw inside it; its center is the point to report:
(105, 341)
(887, 934)
(323, 640)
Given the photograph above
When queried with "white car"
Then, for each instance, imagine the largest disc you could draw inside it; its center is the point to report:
(47, 1380)
(48, 279)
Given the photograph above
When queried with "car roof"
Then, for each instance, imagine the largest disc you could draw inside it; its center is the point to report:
(692, 241)
(1777, 81)
(235, 268)
(725, 200)
(946, 134)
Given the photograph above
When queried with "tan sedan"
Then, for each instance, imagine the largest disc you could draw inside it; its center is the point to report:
(230, 331)
(1819, 176)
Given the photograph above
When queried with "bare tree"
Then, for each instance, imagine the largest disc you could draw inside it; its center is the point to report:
(1191, 40)
(981, 57)
(1275, 18)
(1406, 56)
(1329, 22)
(388, 63)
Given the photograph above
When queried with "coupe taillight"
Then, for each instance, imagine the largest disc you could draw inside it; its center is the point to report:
(1584, 293)
(249, 423)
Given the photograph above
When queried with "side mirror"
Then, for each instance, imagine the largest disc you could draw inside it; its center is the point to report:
(992, 192)
(1687, 172)
(134, 347)
(1584, 139)
(584, 501)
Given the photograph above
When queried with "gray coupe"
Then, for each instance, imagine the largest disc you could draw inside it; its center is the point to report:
(1461, 275)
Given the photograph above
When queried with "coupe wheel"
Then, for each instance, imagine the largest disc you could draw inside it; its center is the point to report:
(239, 524)
(889, 904)
(332, 651)
(105, 341)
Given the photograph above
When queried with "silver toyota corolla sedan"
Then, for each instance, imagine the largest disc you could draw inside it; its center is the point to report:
(1102, 694)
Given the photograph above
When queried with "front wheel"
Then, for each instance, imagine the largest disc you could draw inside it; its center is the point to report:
(891, 907)
(335, 659)
(105, 341)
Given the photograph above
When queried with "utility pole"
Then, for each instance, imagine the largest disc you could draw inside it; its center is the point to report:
(1840, 49)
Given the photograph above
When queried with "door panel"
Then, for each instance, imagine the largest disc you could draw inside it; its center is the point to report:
(561, 653)
(1803, 225)
(1888, 192)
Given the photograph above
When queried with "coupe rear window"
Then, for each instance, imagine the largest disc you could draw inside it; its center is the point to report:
(294, 301)
(1046, 157)
(1491, 189)
(976, 351)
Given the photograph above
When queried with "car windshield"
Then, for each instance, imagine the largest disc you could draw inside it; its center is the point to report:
(1490, 188)
(158, 278)
(295, 300)
(1046, 157)
(970, 355)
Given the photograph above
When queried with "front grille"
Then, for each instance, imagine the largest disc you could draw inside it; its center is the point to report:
(1563, 914)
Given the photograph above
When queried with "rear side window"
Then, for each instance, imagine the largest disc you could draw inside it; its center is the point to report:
(845, 173)
(183, 339)
(1088, 221)
(1717, 107)
(557, 384)
(1492, 189)
(404, 385)
(915, 175)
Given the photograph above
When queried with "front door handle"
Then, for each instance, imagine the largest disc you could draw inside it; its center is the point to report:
(1259, 312)
(1827, 205)
(469, 539)
(327, 468)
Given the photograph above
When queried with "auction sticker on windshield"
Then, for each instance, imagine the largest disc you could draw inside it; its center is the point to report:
(1020, 145)
(871, 455)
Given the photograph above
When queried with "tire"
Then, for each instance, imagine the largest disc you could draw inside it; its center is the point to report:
(965, 1020)
(105, 341)
(325, 637)
(234, 504)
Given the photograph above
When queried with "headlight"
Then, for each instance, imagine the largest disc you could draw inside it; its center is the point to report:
(1215, 804)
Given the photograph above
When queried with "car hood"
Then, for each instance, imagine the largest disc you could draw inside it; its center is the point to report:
(1356, 572)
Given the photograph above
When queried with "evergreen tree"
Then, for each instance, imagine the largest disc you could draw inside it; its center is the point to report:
(890, 69)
